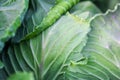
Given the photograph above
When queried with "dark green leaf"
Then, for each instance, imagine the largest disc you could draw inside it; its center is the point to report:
(35, 14)
(1, 65)
(11, 13)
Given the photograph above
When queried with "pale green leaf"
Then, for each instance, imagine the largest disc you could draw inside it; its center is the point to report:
(59, 42)
(102, 50)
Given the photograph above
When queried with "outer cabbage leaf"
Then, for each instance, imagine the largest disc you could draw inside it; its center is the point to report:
(46, 54)
(11, 13)
(102, 50)
(37, 10)
(35, 14)
(49, 53)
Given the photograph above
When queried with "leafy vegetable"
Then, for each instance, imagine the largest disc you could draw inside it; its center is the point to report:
(60, 8)
(35, 14)
(102, 51)
(11, 13)
(82, 44)
(41, 46)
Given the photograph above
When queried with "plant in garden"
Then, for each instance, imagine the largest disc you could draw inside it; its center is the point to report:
(59, 40)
